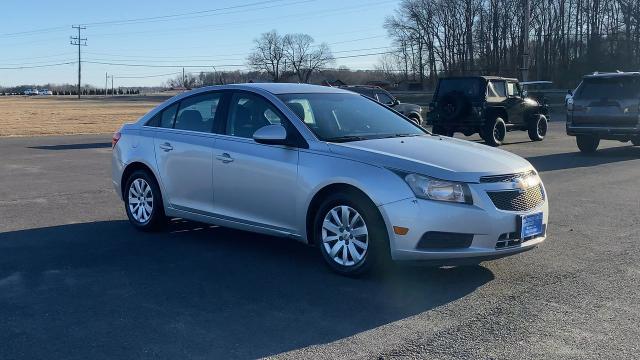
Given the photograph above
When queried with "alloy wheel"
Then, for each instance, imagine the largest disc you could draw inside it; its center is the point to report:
(345, 236)
(140, 200)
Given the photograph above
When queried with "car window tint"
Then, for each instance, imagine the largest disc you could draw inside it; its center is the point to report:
(384, 98)
(249, 113)
(612, 88)
(167, 116)
(499, 88)
(198, 112)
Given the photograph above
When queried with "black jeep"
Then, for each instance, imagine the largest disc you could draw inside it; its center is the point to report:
(487, 105)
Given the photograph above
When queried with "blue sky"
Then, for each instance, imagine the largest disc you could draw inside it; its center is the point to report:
(36, 33)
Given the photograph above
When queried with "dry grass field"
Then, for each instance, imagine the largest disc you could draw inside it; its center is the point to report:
(61, 115)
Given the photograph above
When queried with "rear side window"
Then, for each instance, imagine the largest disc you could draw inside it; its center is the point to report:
(198, 112)
(165, 118)
(471, 87)
(611, 88)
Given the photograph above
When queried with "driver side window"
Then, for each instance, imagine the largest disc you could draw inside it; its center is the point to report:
(248, 113)
(512, 89)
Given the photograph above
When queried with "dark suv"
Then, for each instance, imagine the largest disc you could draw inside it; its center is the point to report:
(412, 111)
(487, 105)
(605, 106)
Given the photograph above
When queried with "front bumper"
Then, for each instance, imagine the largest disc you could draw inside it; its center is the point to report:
(487, 225)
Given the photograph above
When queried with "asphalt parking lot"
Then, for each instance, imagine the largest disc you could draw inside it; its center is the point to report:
(77, 282)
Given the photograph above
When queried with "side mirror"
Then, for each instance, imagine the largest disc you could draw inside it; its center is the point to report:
(395, 102)
(525, 93)
(271, 135)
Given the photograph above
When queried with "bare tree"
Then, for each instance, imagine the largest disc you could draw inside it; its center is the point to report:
(268, 54)
(303, 58)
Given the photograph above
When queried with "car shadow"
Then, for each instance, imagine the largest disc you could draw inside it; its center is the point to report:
(577, 159)
(104, 290)
(98, 145)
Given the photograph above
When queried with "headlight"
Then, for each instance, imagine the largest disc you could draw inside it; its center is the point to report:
(440, 190)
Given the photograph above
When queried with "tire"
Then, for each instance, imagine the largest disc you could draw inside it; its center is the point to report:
(140, 187)
(587, 144)
(354, 253)
(636, 141)
(538, 128)
(416, 119)
(495, 132)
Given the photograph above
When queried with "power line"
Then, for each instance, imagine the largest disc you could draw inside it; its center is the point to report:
(36, 66)
(146, 76)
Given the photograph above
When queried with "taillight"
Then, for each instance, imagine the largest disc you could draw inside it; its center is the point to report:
(116, 136)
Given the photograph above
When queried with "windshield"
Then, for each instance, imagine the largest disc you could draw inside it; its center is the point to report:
(471, 87)
(610, 88)
(348, 117)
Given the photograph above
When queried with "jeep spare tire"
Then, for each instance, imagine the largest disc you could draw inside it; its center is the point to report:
(454, 105)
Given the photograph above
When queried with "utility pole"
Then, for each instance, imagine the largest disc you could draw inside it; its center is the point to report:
(525, 41)
(79, 41)
(184, 84)
(106, 84)
(112, 92)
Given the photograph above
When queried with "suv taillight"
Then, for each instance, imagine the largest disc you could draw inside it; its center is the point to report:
(116, 136)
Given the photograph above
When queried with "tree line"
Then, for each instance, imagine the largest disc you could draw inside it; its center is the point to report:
(566, 38)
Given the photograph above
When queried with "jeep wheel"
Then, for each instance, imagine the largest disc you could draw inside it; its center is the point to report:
(494, 132)
(538, 128)
(587, 144)
(416, 119)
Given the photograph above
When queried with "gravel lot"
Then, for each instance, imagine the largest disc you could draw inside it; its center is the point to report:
(77, 282)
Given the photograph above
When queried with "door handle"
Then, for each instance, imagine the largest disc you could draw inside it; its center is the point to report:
(225, 158)
(166, 147)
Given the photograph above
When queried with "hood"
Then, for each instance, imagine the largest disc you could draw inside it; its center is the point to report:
(435, 156)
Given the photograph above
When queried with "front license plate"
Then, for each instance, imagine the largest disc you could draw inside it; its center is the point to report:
(531, 225)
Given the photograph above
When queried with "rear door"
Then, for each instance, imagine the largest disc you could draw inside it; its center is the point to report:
(254, 184)
(184, 152)
(607, 101)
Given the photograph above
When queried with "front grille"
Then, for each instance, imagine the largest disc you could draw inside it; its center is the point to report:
(516, 200)
(505, 178)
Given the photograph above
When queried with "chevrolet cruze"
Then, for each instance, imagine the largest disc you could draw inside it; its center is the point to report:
(330, 168)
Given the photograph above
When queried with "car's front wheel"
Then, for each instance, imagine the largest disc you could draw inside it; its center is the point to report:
(350, 233)
(538, 128)
(143, 201)
(587, 144)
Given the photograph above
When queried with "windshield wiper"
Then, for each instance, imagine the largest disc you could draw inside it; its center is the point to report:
(346, 138)
(401, 135)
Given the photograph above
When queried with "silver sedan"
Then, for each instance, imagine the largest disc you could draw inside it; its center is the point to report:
(329, 168)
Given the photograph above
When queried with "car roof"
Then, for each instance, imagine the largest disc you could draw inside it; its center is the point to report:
(611, 74)
(288, 88)
(486, 77)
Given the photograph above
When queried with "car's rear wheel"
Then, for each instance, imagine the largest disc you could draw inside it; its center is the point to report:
(143, 201)
(350, 233)
(538, 128)
(587, 144)
(494, 132)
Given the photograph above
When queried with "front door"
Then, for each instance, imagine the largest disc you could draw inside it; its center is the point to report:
(184, 153)
(514, 103)
(254, 183)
